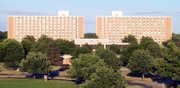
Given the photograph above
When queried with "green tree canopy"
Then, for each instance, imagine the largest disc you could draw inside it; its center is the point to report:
(11, 53)
(115, 48)
(109, 57)
(28, 43)
(130, 39)
(90, 35)
(1, 53)
(146, 40)
(30, 38)
(47, 46)
(105, 77)
(175, 39)
(84, 66)
(100, 45)
(88, 46)
(3, 36)
(140, 62)
(171, 64)
(147, 43)
(35, 63)
(42, 44)
(65, 46)
(127, 53)
(81, 50)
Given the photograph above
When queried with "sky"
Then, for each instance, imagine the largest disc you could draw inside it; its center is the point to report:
(90, 9)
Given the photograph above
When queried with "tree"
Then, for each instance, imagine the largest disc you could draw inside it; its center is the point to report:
(64, 46)
(100, 45)
(146, 40)
(130, 39)
(88, 46)
(53, 54)
(1, 53)
(84, 66)
(42, 44)
(140, 62)
(147, 43)
(81, 50)
(35, 63)
(28, 43)
(30, 38)
(109, 57)
(3, 36)
(11, 53)
(169, 65)
(127, 53)
(171, 61)
(176, 39)
(90, 35)
(105, 77)
(115, 48)
(48, 46)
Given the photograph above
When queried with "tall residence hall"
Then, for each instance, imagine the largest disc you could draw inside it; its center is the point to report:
(61, 26)
(117, 26)
(109, 29)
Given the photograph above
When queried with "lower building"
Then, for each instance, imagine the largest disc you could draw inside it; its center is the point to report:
(95, 42)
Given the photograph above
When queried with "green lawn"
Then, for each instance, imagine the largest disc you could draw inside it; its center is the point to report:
(55, 67)
(135, 86)
(30, 83)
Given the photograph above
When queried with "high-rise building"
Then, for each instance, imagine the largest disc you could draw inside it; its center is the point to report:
(117, 26)
(62, 26)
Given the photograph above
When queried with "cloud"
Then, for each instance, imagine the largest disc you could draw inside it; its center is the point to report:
(148, 13)
(19, 12)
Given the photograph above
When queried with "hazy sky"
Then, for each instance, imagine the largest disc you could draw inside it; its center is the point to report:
(90, 9)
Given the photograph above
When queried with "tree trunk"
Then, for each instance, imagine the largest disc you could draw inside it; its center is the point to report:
(34, 76)
(45, 78)
(142, 76)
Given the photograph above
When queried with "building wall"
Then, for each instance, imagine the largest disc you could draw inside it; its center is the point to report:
(117, 27)
(65, 27)
(10, 27)
(81, 27)
(91, 41)
(99, 27)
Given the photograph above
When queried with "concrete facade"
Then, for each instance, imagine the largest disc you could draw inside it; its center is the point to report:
(62, 26)
(109, 29)
(116, 27)
(95, 42)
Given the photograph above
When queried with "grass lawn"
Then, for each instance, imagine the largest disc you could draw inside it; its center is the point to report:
(135, 87)
(55, 67)
(30, 83)
(1, 67)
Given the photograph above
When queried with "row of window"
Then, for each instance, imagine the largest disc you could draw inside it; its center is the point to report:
(46, 17)
(134, 20)
(143, 31)
(62, 34)
(47, 22)
(135, 17)
(47, 29)
(133, 29)
(69, 26)
(120, 38)
(54, 37)
(133, 23)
